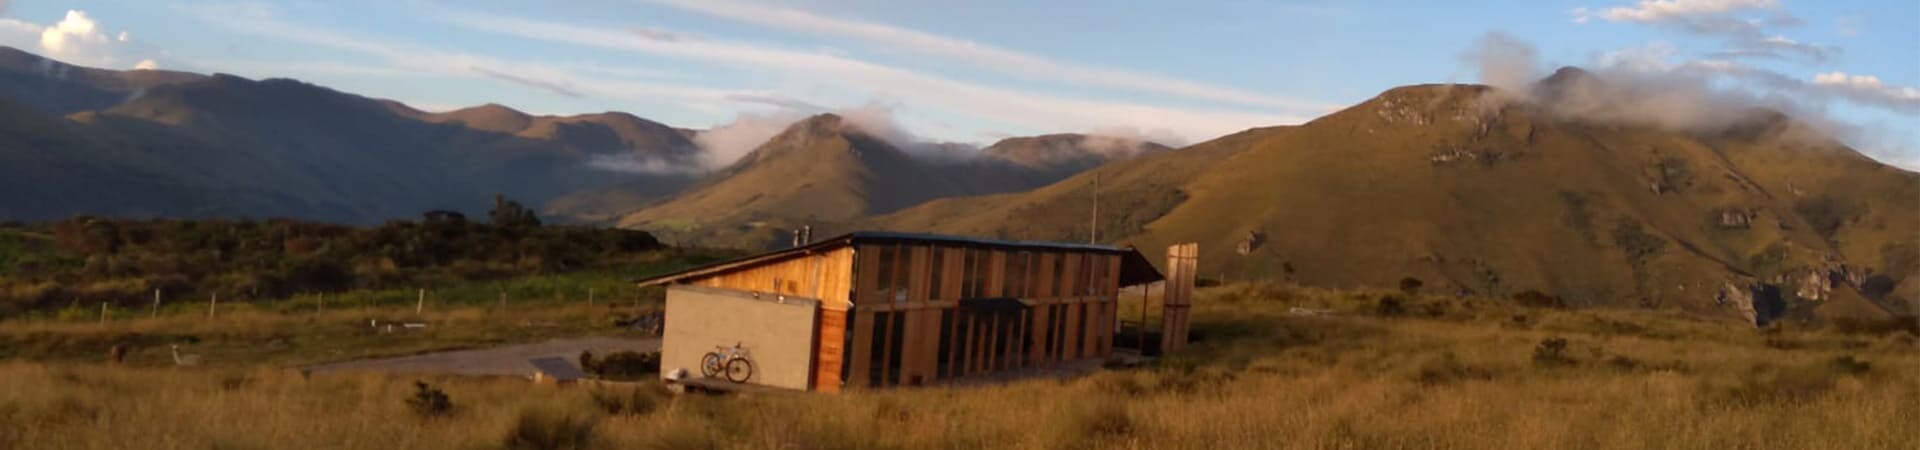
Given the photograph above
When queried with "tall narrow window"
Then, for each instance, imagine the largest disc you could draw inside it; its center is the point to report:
(884, 280)
(1015, 283)
(902, 273)
(935, 270)
(984, 259)
(896, 343)
(945, 354)
(1086, 274)
(966, 273)
(1059, 275)
(877, 349)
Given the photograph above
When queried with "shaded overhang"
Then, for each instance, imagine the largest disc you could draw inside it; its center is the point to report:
(1135, 269)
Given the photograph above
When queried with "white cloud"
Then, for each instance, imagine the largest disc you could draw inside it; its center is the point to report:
(402, 58)
(1042, 110)
(77, 39)
(147, 64)
(1651, 11)
(1869, 89)
(72, 36)
(1742, 24)
(989, 57)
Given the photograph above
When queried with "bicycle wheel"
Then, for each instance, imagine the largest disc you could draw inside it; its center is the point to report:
(739, 370)
(710, 365)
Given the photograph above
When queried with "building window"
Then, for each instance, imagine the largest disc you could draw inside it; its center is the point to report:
(936, 269)
(902, 273)
(1015, 284)
(966, 273)
(896, 340)
(945, 355)
(983, 260)
(877, 349)
(884, 280)
(1059, 275)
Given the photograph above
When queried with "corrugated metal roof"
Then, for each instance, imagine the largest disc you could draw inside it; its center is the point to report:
(1134, 268)
(558, 368)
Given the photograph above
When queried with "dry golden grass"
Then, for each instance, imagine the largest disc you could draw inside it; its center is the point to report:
(246, 337)
(1455, 373)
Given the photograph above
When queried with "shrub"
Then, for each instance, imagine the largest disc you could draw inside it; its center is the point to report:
(1848, 365)
(1410, 285)
(548, 430)
(1088, 425)
(428, 401)
(625, 402)
(1447, 368)
(622, 365)
(1536, 299)
(1551, 352)
(1390, 306)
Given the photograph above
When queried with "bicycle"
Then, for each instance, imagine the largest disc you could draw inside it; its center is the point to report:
(733, 361)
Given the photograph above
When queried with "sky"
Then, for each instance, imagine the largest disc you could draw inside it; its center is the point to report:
(977, 71)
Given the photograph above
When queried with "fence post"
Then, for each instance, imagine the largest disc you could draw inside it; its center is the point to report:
(212, 304)
(589, 298)
(156, 302)
(103, 313)
(323, 302)
(420, 304)
(503, 298)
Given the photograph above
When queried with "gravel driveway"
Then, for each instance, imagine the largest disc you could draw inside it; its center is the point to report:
(508, 360)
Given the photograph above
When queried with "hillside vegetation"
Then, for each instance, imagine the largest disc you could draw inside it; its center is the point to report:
(141, 143)
(1368, 370)
(826, 170)
(83, 262)
(1763, 220)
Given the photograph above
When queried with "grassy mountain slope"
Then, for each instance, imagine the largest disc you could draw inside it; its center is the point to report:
(146, 143)
(825, 172)
(1438, 183)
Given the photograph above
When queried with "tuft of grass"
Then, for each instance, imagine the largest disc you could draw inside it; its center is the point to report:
(542, 429)
(429, 402)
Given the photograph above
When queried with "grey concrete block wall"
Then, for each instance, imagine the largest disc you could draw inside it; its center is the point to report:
(777, 332)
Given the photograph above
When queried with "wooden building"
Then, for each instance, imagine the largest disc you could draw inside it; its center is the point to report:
(894, 309)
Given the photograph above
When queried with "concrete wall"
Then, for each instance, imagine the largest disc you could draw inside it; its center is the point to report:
(777, 332)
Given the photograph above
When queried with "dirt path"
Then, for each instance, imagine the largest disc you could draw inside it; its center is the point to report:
(508, 360)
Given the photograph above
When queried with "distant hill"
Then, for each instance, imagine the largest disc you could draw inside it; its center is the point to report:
(824, 171)
(169, 144)
(1445, 184)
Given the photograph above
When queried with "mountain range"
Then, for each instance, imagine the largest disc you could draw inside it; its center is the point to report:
(81, 140)
(1463, 188)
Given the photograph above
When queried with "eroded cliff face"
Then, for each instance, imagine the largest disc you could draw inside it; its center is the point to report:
(1801, 293)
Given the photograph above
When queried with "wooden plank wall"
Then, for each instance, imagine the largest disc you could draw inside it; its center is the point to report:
(825, 276)
(983, 344)
(1182, 261)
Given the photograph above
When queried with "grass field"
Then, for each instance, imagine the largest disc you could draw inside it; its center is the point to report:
(1416, 372)
(313, 328)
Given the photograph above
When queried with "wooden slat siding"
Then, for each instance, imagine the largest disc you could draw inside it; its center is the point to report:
(826, 373)
(798, 277)
(927, 361)
(956, 360)
(1037, 349)
(1043, 280)
(861, 355)
(867, 275)
(1074, 329)
(1113, 299)
(1182, 261)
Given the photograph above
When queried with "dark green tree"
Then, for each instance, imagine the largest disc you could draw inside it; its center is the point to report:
(509, 214)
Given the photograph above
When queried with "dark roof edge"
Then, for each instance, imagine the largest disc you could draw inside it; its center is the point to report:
(873, 236)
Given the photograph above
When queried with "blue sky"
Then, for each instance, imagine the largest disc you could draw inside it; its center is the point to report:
(979, 70)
